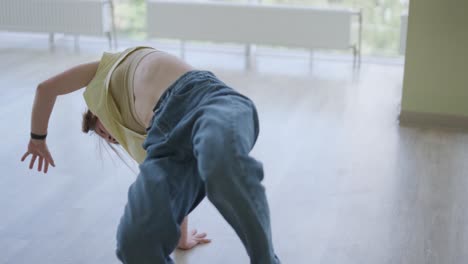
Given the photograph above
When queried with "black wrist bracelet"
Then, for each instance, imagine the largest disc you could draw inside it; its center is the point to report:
(36, 136)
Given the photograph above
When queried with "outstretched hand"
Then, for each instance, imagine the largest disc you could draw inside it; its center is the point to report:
(38, 148)
(192, 240)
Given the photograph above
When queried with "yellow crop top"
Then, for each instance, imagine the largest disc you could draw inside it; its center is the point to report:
(121, 87)
(101, 103)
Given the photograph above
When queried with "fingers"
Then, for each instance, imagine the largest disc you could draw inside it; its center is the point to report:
(25, 155)
(41, 159)
(204, 241)
(44, 160)
(31, 164)
(202, 235)
(201, 238)
(46, 167)
(50, 159)
(194, 240)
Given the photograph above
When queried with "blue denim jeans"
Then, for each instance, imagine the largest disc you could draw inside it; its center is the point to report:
(198, 145)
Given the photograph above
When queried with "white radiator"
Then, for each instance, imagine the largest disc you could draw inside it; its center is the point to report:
(303, 27)
(79, 17)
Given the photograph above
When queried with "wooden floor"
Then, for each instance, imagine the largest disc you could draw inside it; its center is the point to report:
(345, 183)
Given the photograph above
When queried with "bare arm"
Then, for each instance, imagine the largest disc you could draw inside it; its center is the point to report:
(47, 91)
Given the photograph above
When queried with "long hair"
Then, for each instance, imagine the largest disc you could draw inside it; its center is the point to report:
(89, 125)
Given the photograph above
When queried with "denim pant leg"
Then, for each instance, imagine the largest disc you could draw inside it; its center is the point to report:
(165, 191)
(207, 129)
(224, 133)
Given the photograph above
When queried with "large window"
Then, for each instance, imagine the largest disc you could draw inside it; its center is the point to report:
(381, 24)
(130, 18)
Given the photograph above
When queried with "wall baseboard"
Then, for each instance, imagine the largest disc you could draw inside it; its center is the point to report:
(427, 120)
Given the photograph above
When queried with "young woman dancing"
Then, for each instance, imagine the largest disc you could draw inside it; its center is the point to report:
(191, 135)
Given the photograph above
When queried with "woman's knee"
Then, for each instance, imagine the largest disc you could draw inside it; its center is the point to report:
(232, 176)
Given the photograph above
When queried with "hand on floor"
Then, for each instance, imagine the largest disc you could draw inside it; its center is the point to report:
(192, 240)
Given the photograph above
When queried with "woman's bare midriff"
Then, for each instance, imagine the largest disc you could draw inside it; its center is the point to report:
(153, 75)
